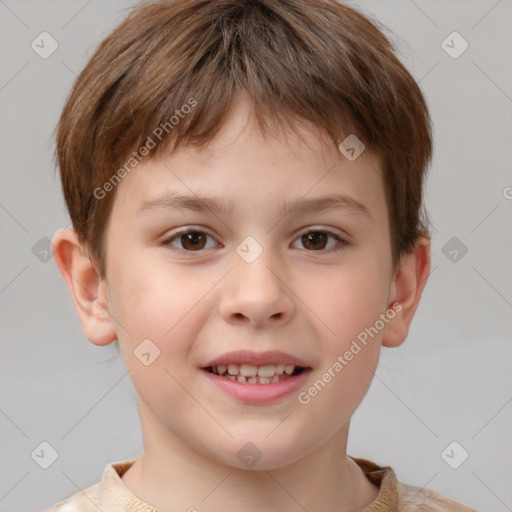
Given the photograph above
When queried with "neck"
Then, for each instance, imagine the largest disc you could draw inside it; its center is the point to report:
(171, 475)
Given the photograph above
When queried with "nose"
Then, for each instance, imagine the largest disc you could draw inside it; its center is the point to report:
(256, 294)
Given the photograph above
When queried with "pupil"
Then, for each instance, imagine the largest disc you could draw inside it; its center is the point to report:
(192, 237)
(314, 238)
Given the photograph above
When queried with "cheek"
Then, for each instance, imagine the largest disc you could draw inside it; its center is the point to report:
(350, 299)
(151, 301)
(354, 301)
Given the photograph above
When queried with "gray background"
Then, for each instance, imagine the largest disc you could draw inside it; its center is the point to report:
(450, 381)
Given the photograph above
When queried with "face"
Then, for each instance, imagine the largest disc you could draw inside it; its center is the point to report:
(251, 284)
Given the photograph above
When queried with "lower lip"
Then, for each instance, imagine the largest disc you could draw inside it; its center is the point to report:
(258, 393)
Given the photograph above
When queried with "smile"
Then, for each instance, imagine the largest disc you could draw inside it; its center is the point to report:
(252, 374)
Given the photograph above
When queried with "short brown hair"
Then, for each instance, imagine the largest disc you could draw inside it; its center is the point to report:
(318, 61)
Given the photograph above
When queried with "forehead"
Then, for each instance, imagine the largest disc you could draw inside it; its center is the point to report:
(245, 169)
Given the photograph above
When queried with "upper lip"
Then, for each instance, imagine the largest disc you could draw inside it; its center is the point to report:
(257, 358)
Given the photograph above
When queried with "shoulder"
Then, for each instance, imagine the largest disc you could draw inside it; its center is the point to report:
(87, 500)
(110, 493)
(416, 499)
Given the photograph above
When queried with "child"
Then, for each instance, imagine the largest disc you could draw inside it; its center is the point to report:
(245, 184)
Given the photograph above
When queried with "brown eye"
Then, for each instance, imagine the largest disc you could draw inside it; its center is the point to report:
(189, 241)
(193, 240)
(315, 240)
(318, 240)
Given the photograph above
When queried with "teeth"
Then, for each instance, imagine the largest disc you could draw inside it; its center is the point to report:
(233, 369)
(251, 370)
(252, 374)
(289, 369)
(266, 371)
(248, 370)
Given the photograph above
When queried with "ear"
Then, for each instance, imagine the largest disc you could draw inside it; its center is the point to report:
(406, 290)
(88, 290)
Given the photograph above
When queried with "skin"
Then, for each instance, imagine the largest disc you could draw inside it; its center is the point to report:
(303, 299)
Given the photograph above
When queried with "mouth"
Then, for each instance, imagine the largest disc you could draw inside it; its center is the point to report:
(253, 374)
(257, 378)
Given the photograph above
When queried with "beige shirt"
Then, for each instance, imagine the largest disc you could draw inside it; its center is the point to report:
(111, 494)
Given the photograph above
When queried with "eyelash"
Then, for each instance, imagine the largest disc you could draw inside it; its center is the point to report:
(342, 242)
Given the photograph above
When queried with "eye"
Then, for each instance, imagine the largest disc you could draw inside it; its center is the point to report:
(194, 240)
(191, 240)
(316, 240)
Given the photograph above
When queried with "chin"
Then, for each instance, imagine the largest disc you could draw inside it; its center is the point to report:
(261, 455)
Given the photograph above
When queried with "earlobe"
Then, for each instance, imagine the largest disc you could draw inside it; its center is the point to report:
(88, 290)
(406, 290)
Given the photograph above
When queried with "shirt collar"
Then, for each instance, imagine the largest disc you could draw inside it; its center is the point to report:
(116, 495)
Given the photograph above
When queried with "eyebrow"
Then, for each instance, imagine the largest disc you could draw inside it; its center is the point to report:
(220, 206)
